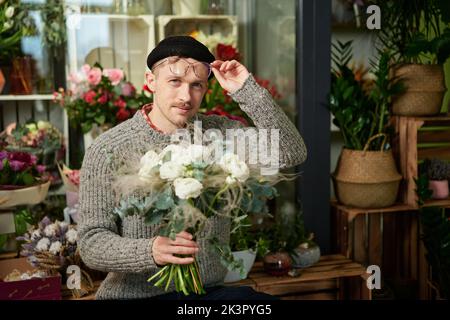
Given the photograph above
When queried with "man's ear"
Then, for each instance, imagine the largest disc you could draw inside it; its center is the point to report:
(150, 78)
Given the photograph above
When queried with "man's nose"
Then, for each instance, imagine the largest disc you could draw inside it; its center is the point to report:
(184, 92)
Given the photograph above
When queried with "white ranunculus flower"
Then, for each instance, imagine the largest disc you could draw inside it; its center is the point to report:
(55, 248)
(43, 125)
(150, 159)
(146, 173)
(9, 12)
(8, 25)
(178, 154)
(43, 244)
(186, 188)
(238, 169)
(197, 152)
(171, 170)
(72, 236)
(50, 230)
(230, 180)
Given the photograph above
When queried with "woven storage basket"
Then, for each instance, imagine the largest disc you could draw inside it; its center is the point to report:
(366, 179)
(425, 89)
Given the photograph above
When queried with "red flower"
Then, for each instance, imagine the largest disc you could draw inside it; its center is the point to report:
(122, 115)
(89, 96)
(120, 103)
(227, 52)
(103, 98)
(146, 88)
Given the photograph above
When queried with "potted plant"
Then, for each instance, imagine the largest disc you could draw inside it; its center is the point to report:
(419, 43)
(15, 23)
(438, 172)
(366, 175)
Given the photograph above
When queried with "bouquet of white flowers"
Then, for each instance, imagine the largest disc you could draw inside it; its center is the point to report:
(180, 187)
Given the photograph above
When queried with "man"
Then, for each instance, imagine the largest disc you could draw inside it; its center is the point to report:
(129, 249)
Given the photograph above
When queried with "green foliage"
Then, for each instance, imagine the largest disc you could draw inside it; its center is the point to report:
(412, 28)
(357, 113)
(436, 237)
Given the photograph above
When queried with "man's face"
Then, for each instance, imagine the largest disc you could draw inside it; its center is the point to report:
(178, 88)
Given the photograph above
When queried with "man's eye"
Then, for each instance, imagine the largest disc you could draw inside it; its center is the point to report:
(174, 81)
(197, 85)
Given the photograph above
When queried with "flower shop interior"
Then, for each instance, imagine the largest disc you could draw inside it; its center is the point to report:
(365, 82)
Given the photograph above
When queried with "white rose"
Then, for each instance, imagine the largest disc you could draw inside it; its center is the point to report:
(43, 244)
(186, 188)
(72, 236)
(55, 248)
(236, 168)
(150, 159)
(9, 12)
(171, 170)
(50, 230)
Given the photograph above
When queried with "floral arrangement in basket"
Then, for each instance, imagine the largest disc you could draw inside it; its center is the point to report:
(186, 184)
(41, 138)
(101, 97)
(51, 247)
(20, 170)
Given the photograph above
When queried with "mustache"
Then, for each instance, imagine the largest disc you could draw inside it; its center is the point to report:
(183, 105)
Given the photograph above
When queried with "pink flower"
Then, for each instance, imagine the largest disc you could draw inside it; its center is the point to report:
(86, 68)
(115, 75)
(89, 96)
(94, 76)
(74, 77)
(74, 177)
(128, 89)
(40, 168)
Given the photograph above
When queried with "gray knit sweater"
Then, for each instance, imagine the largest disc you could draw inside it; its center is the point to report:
(123, 248)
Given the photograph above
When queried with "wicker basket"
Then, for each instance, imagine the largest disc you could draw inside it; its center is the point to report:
(425, 89)
(366, 179)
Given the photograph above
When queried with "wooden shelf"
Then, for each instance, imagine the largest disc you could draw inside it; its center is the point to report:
(26, 97)
(439, 203)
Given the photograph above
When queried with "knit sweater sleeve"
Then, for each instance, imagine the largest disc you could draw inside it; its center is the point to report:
(101, 246)
(266, 114)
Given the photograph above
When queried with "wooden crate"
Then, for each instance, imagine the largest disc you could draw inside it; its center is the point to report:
(416, 139)
(389, 238)
(333, 277)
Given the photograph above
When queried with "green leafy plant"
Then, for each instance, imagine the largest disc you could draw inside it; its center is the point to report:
(412, 28)
(436, 237)
(15, 23)
(360, 113)
(437, 169)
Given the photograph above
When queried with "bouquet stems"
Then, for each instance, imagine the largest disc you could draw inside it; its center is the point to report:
(186, 278)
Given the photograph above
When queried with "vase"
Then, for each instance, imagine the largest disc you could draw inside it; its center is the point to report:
(2, 81)
(186, 7)
(23, 195)
(440, 189)
(306, 257)
(21, 77)
(277, 263)
(248, 258)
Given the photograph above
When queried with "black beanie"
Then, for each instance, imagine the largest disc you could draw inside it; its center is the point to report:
(183, 46)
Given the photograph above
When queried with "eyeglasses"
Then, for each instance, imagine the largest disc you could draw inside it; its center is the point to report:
(179, 67)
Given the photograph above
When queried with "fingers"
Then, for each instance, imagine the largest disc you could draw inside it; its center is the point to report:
(185, 235)
(181, 250)
(176, 260)
(183, 242)
(224, 66)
